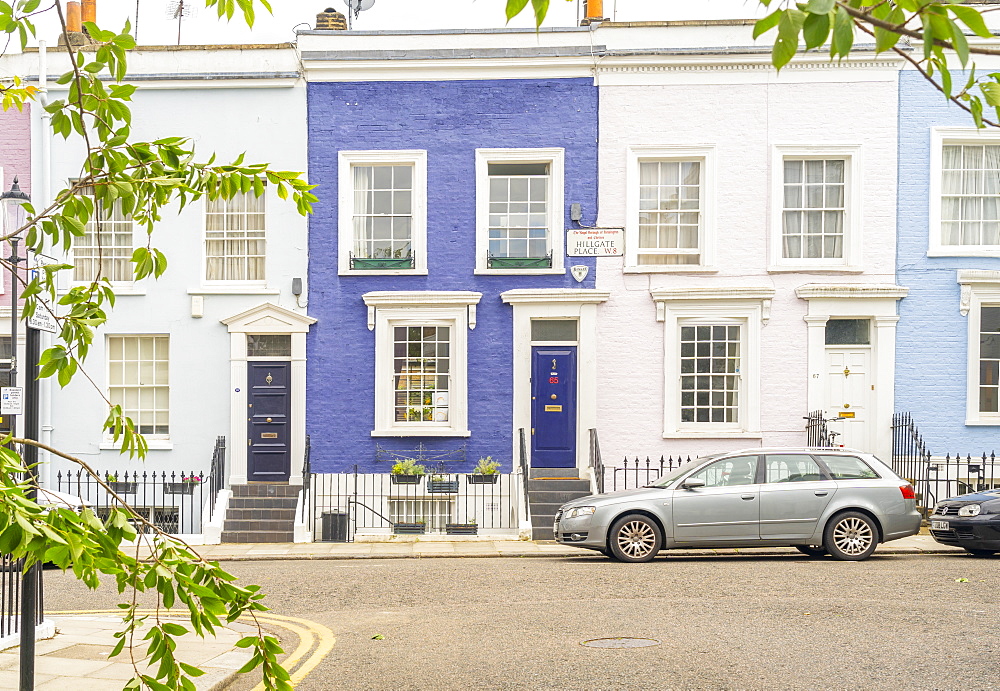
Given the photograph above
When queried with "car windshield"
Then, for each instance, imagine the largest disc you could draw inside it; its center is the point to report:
(672, 475)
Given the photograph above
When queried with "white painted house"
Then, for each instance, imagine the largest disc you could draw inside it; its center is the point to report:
(177, 352)
(757, 281)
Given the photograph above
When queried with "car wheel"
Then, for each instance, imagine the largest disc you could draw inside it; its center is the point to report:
(980, 552)
(812, 550)
(850, 536)
(635, 538)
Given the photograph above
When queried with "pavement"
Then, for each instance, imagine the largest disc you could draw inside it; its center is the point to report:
(77, 656)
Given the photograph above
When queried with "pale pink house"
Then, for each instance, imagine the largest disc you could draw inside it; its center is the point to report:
(15, 161)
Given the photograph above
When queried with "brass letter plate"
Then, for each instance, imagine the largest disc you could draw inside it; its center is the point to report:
(845, 414)
(268, 435)
(553, 409)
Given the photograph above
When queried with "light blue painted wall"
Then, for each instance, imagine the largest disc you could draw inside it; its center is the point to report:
(931, 353)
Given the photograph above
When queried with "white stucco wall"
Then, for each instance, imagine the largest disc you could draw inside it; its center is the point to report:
(228, 101)
(743, 111)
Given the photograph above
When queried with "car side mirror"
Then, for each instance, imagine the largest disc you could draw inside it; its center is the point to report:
(691, 483)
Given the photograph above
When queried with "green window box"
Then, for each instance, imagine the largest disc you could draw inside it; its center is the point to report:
(386, 264)
(519, 262)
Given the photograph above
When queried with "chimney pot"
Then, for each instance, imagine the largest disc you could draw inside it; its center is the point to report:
(73, 16)
(593, 11)
(331, 20)
(90, 11)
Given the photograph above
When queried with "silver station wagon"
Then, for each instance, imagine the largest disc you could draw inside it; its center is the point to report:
(821, 501)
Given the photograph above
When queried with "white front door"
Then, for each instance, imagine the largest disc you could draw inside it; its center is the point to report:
(849, 395)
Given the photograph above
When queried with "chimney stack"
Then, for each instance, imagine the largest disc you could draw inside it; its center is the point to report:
(75, 16)
(331, 20)
(593, 11)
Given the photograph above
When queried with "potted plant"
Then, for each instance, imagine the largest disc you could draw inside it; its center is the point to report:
(486, 472)
(470, 528)
(442, 484)
(120, 487)
(407, 472)
(414, 528)
(185, 486)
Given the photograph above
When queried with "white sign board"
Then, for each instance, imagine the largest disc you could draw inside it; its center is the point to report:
(595, 242)
(11, 400)
(43, 321)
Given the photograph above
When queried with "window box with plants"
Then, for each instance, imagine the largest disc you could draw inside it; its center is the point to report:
(185, 486)
(486, 472)
(407, 472)
(415, 528)
(383, 260)
(121, 486)
(442, 484)
(470, 528)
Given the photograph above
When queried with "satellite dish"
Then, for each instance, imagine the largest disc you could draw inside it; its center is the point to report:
(356, 7)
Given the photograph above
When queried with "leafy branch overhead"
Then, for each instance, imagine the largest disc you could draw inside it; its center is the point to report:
(138, 179)
(939, 38)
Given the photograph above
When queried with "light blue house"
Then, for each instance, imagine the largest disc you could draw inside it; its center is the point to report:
(948, 356)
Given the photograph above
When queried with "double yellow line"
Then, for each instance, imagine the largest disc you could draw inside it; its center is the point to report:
(315, 640)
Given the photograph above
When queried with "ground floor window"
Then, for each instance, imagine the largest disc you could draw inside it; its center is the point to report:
(710, 373)
(138, 378)
(421, 373)
(434, 513)
(989, 359)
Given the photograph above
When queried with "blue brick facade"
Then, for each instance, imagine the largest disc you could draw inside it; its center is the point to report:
(450, 120)
(932, 346)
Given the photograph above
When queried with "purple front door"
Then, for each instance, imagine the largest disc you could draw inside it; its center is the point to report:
(268, 411)
(553, 407)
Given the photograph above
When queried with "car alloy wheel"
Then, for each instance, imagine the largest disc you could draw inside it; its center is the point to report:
(850, 536)
(635, 538)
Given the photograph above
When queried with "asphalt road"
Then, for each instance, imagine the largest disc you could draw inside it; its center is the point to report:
(744, 622)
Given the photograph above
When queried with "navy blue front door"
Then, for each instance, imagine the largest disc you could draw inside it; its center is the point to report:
(268, 410)
(553, 407)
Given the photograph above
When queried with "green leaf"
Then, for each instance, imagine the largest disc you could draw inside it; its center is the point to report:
(959, 41)
(991, 90)
(819, 6)
(787, 43)
(815, 30)
(514, 8)
(762, 26)
(972, 19)
(843, 34)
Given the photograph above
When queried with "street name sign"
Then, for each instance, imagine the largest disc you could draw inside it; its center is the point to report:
(595, 242)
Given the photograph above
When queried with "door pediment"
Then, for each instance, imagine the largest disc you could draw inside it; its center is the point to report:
(269, 318)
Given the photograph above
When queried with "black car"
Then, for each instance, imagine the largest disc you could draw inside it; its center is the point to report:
(971, 521)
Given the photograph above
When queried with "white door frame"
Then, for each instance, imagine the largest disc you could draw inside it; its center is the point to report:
(874, 301)
(869, 397)
(266, 318)
(557, 303)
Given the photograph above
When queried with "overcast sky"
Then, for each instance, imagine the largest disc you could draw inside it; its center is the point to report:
(156, 28)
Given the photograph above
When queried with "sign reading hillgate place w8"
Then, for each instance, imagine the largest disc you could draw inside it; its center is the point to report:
(595, 242)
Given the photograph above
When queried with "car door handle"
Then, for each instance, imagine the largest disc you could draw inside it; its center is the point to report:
(821, 493)
(748, 497)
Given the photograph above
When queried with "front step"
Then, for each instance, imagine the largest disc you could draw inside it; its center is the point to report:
(546, 493)
(261, 512)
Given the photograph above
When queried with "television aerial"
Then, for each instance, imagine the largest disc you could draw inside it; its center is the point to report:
(356, 7)
(180, 10)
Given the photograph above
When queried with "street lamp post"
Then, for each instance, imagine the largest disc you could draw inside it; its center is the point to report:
(12, 202)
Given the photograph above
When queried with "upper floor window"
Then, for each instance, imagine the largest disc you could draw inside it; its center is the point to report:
(519, 217)
(669, 221)
(234, 238)
(964, 193)
(104, 251)
(383, 214)
(817, 218)
(813, 215)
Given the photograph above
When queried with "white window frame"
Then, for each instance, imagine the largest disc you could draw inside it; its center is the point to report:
(706, 155)
(940, 137)
(852, 259)
(345, 204)
(555, 157)
(747, 307)
(155, 441)
(455, 310)
(222, 283)
(120, 286)
(979, 289)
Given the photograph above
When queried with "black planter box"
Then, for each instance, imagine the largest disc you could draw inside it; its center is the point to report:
(179, 487)
(477, 479)
(406, 479)
(461, 529)
(409, 528)
(123, 487)
(442, 486)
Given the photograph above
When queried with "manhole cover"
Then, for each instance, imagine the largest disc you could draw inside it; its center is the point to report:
(620, 642)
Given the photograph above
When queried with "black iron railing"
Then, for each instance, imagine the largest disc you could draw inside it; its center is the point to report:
(342, 504)
(173, 502)
(10, 596)
(911, 459)
(818, 435)
(522, 460)
(307, 464)
(217, 474)
(637, 472)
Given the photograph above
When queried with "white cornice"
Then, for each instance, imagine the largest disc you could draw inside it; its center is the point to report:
(970, 278)
(713, 293)
(813, 291)
(409, 298)
(581, 295)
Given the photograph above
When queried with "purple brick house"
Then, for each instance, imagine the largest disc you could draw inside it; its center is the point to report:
(450, 317)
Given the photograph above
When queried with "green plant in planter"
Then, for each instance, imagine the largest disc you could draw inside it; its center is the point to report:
(486, 466)
(408, 466)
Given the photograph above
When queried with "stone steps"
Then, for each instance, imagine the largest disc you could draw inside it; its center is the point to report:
(547, 491)
(261, 512)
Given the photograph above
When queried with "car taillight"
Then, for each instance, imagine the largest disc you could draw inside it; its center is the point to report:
(907, 491)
